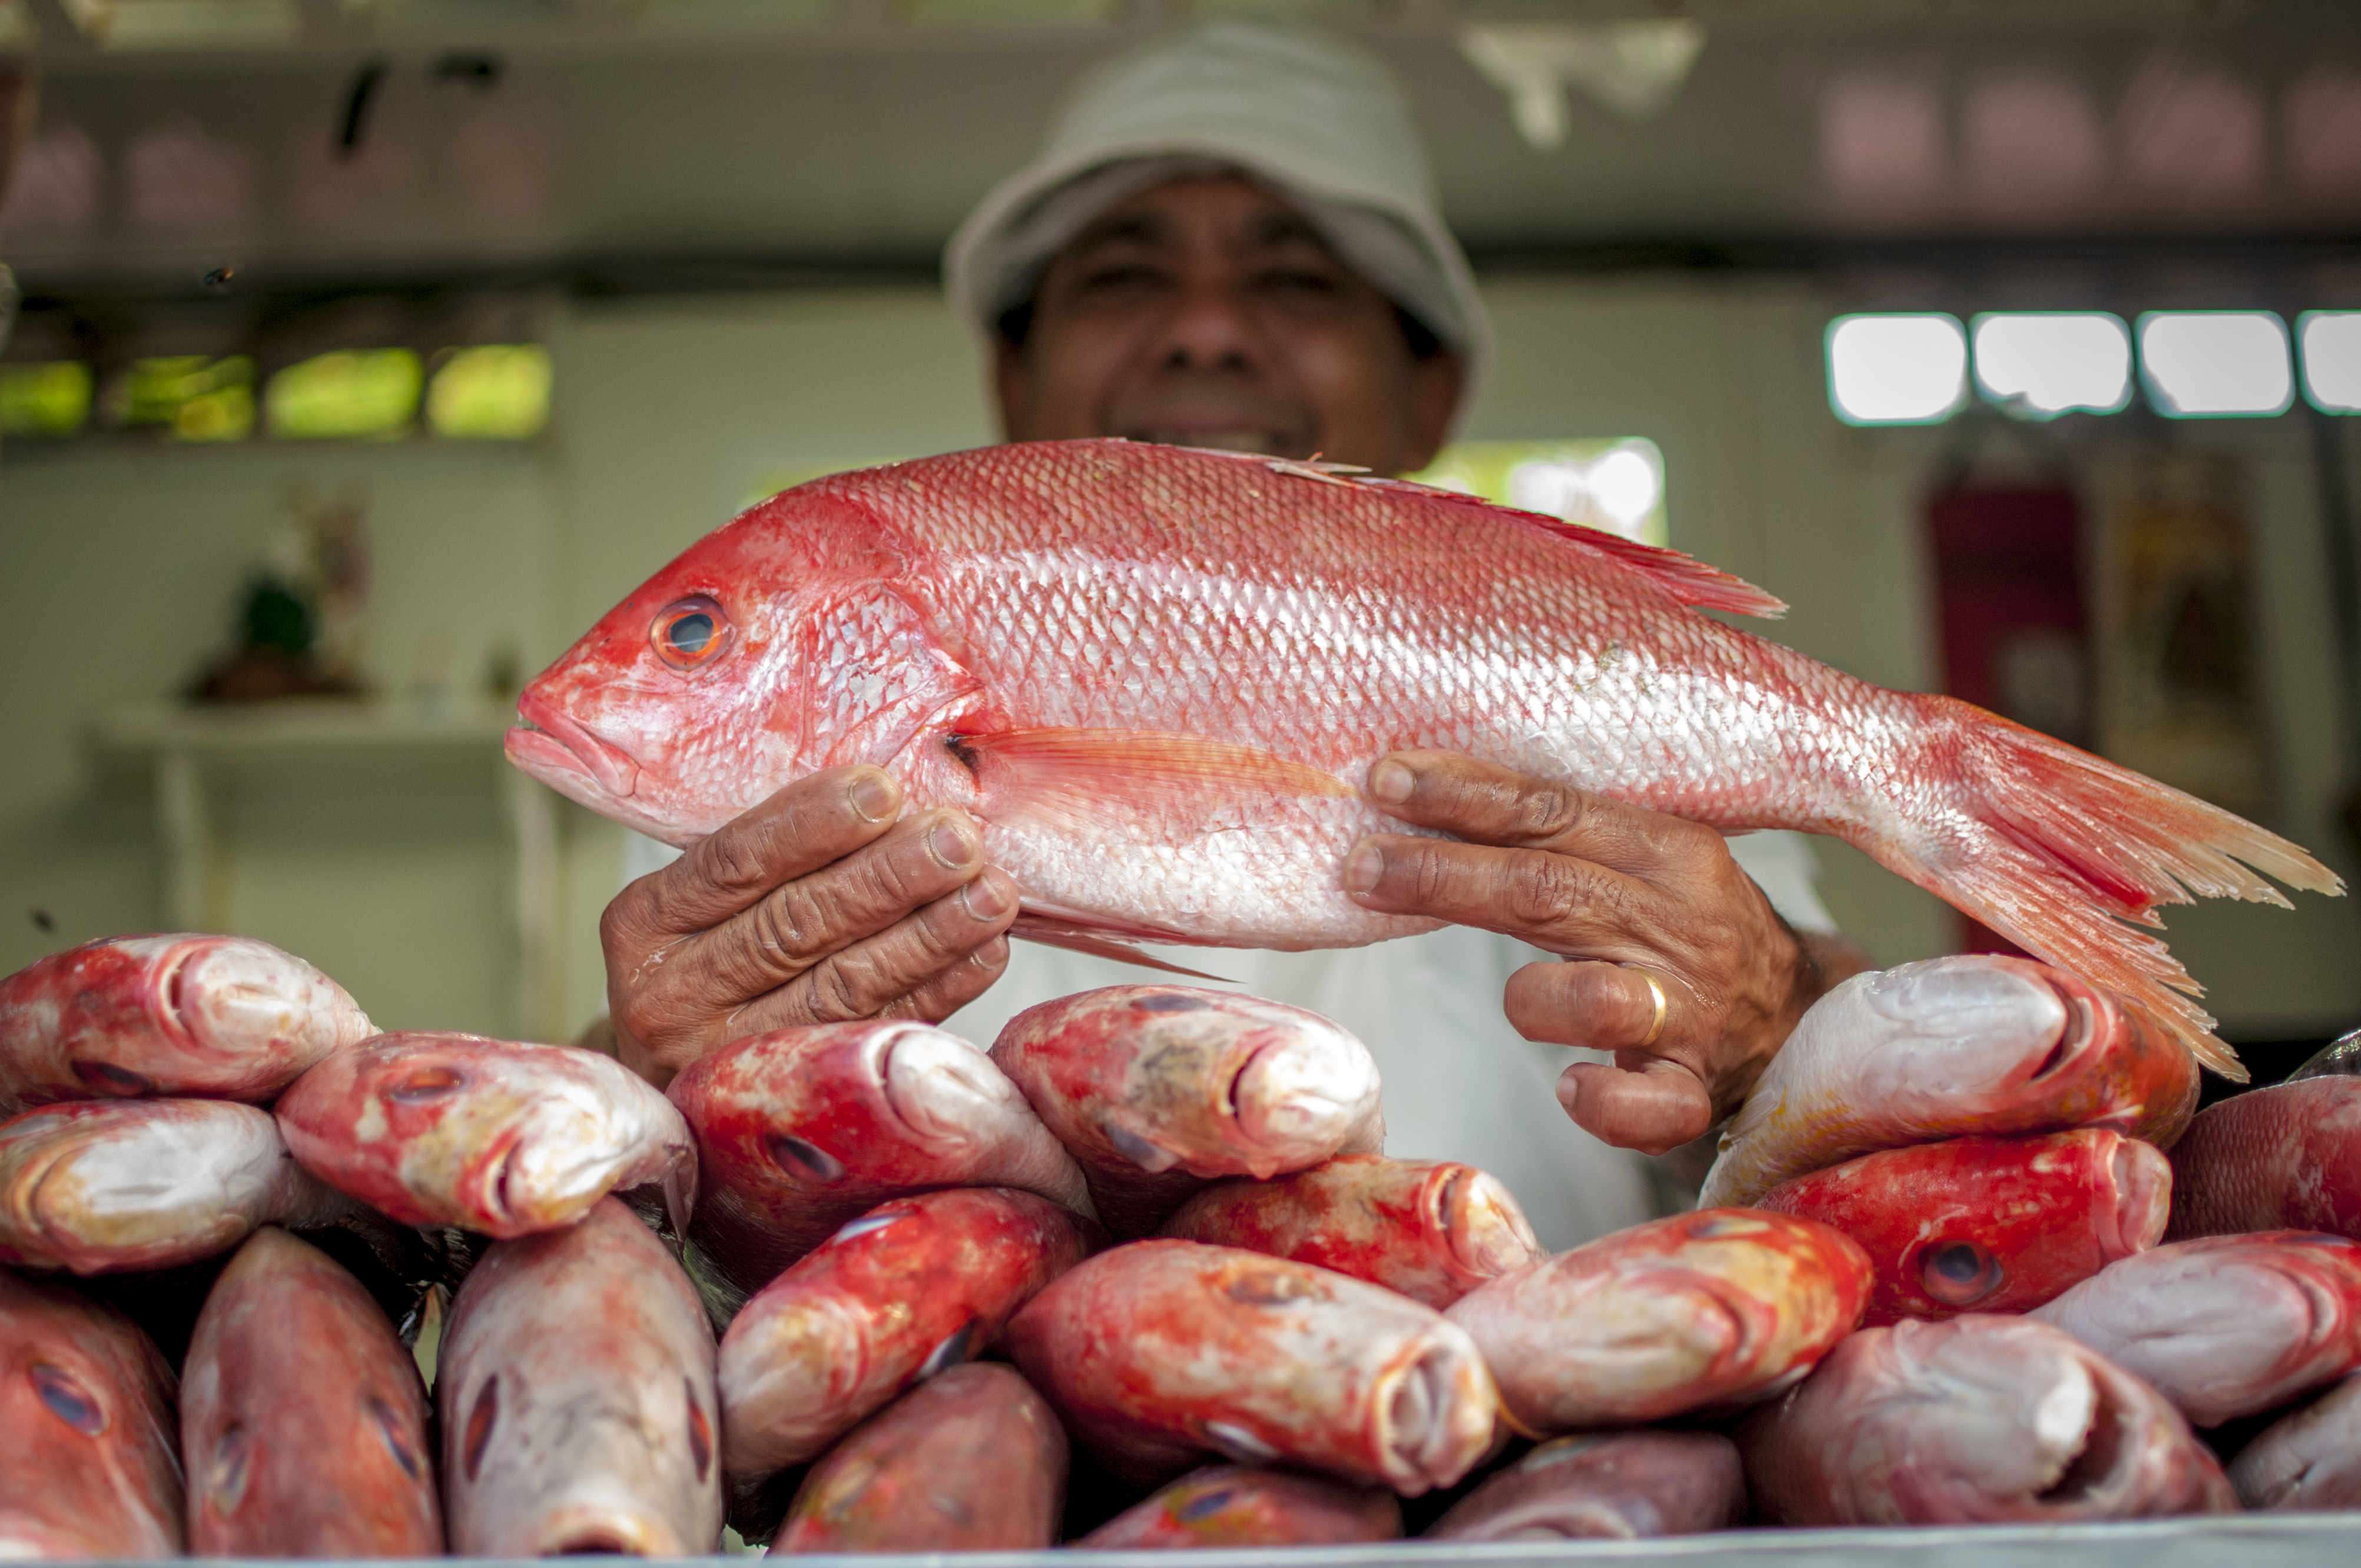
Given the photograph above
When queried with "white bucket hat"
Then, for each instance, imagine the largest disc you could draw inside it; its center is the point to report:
(1321, 122)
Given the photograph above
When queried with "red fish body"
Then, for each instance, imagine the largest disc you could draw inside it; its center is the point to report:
(1974, 1420)
(305, 1425)
(109, 1187)
(443, 1129)
(2309, 1458)
(1158, 678)
(1158, 1090)
(1160, 1351)
(89, 1462)
(1429, 1229)
(2286, 1157)
(1988, 1224)
(970, 1460)
(1703, 1311)
(917, 1285)
(799, 1131)
(574, 1384)
(2225, 1326)
(223, 1018)
(1963, 1047)
(1629, 1486)
(1248, 1505)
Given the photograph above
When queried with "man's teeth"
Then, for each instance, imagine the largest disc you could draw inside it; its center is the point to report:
(1220, 440)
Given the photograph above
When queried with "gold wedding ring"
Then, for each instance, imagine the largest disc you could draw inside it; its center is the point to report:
(1656, 989)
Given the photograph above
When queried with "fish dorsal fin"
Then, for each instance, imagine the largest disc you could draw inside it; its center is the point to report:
(1684, 578)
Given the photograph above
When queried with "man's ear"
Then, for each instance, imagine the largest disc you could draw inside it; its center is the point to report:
(1012, 382)
(1435, 385)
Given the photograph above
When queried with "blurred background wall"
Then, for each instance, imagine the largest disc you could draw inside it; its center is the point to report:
(724, 249)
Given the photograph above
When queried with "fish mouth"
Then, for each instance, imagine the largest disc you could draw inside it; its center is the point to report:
(1298, 1097)
(549, 738)
(1485, 1232)
(2142, 1180)
(1433, 1420)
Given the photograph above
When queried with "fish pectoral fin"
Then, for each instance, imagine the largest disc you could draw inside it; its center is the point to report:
(1051, 932)
(1109, 779)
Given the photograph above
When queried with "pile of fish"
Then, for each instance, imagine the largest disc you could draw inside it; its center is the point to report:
(1139, 1275)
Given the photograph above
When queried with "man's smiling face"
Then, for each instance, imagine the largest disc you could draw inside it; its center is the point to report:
(1208, 313)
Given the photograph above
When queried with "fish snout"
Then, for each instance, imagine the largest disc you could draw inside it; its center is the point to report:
(1485, 1234)
(1436, 1410)
(933, 1083)
(239, 998)
(608, 1530)
(2140, 1181)
(1300, 1097)
(550, 737)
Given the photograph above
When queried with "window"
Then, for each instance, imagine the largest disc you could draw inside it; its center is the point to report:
(50, 399)
(1896, 370)
(2043, 364)
(2211, 364)
(1617, 484)
(2330, 341)
(348, 395)
(496, 392)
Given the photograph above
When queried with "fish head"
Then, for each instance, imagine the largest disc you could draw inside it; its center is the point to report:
(773, 647)
(86, 1399)
(519, 1137)
(88, 1185)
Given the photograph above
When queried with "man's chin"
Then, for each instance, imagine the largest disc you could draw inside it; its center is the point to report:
(1267, 442)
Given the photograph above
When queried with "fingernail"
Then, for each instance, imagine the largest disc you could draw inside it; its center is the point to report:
(873, 797)
(984, 899)
(1391, 781)
(1363, 867)
(991, 955)
(950, 845)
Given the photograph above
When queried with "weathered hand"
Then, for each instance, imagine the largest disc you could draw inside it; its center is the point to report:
(1617, 890)
(816, 906)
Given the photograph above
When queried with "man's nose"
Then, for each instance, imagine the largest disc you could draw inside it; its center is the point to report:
(1211, 327)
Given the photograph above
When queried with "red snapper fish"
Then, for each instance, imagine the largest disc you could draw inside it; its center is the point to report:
(1988, 1224)
(2225, 1326)
(1158, 1090)
(1699, 1311)
(1628, 1485)
(114, 1186)
(576, 1388)
(1431, 1229)
(444, 1129)
(799, 1131)
(1969, 1046)
(1974, 1420)
(2286, 1157)
(1158, 1351)
(971, 1461)
(2308, 1459)
(305, 1427)
(89, 1466)
(1159, 677)
(915, 1286)
(1250, 1505)
(194, 1014)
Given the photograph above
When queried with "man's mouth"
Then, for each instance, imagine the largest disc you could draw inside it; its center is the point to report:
(1268, 442)
(547, 738)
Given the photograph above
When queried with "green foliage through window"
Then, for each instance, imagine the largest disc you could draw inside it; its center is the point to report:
(1617, 484)
(367, 394)
(51, 400)
(494, 392)
(192, 396)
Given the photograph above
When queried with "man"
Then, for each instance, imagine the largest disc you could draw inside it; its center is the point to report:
(1231, 240)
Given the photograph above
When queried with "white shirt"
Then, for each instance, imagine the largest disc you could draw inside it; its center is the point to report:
(1459, 1083)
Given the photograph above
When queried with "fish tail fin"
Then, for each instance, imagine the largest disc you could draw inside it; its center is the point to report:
(2056, 849)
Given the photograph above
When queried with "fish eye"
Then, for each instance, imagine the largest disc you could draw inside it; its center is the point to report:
(1959, 1273)
(691, 633)
(424, 1084)
(67, 1399)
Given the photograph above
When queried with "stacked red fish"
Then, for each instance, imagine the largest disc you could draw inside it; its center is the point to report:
(867, 1287)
